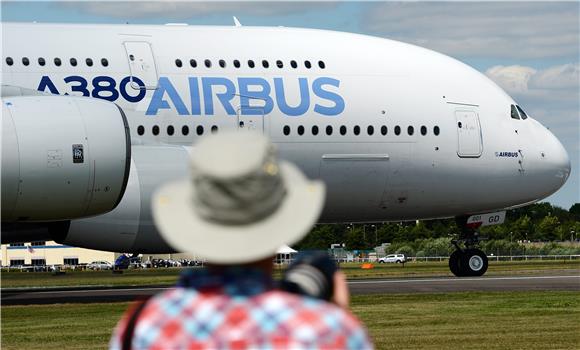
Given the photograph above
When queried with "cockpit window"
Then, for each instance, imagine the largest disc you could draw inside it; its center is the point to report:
(522, 113)
(515, 113)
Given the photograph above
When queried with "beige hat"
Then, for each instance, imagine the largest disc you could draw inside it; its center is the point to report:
(240, 204)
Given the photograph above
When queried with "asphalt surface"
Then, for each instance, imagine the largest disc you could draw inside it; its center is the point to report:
(569, 282)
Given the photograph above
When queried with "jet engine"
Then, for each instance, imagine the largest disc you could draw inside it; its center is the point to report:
(63, 157)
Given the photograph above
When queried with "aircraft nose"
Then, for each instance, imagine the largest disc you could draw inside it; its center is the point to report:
(560, 161)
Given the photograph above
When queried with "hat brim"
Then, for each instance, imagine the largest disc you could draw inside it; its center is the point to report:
(186, 231)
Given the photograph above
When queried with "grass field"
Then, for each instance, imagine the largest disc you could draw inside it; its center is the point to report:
(482, 320)
(17, 279)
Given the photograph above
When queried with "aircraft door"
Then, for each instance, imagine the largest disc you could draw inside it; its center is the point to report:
(141, 64)
(469, 142)
(252, 119)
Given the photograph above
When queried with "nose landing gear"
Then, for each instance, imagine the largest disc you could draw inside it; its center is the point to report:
(469, 261)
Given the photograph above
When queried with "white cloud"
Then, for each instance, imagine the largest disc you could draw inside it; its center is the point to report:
(555, 84)
(493, 29)
(512, 78)
(171, 9)
(559, 77)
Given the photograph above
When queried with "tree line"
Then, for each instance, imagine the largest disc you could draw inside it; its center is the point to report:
(540, 222)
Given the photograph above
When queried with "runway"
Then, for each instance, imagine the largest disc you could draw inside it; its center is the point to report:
(569, 282)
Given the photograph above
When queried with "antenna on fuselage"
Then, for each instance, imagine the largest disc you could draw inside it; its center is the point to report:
(237, 22)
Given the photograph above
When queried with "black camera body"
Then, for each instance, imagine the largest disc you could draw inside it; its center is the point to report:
(310, 274)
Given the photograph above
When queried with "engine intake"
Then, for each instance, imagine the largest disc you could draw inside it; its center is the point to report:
(63, 157)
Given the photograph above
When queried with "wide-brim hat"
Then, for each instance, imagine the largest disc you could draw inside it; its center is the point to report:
(189, 224)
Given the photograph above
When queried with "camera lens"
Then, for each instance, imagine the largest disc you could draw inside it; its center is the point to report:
(311, 274)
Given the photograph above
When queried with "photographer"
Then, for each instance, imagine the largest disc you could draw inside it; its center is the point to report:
(238, 208)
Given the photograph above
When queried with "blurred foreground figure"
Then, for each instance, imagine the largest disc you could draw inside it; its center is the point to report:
(238, 208)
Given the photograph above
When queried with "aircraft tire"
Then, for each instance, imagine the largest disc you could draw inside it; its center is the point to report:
(455, 262)
(474, 262)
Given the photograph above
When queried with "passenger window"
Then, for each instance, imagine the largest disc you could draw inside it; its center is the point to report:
(104, 62)
(343, 130)
(356, 130)
(522, 113)
(178, 63)
(155, 130)
(251, 64)
(300, 130)
(307, 64)
(199, 130)
(410, 130)
(279, 64)
(293, 64)
(193, 63)
(222, 63)
(207, 63)
(140, 130)
(25, 61)
(73, 62)
(214, 129)
(89, 62)
(321, 65)
(384, 130)
(328, 130)
(370, 130)
(265, 64)
(436, 130)
(236, 63)
(397, 130)
(423, 130)
(314, 130)
(57, 62)
(514, 112)
(170, 130)
(41, 61)
(9, 61)
(286, 130)
(185, 130)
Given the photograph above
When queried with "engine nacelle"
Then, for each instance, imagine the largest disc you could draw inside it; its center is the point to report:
(130, 227)
(63, 157)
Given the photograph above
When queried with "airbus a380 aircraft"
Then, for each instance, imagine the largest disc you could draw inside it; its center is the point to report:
(396, 131)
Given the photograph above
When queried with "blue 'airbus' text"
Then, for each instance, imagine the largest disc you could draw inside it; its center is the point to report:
(215, 95)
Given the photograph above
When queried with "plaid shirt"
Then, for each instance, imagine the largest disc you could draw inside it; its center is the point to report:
(240, 309)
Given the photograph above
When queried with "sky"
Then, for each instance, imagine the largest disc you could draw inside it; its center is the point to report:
(530, 48)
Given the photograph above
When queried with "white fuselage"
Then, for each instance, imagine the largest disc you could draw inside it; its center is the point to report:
(402, 132)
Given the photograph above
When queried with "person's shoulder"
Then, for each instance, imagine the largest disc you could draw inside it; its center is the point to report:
(315, 322)
(312, 308)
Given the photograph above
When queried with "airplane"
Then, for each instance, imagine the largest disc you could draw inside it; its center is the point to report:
(95, 117)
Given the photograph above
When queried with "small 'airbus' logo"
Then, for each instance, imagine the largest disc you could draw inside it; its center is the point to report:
(506, 154)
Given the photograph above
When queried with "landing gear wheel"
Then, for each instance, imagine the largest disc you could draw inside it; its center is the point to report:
(474, 262)
(455, 261)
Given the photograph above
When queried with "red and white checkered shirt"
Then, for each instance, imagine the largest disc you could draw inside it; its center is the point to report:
(239, 309)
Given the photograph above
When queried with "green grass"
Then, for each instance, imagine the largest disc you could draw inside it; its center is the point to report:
(17, 279)
(431, 269)
(499, 320)
(59, 326)
(482, 320)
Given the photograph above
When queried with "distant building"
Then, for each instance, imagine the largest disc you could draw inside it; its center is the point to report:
(51, 253)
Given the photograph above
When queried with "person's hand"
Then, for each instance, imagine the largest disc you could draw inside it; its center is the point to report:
(341, 296)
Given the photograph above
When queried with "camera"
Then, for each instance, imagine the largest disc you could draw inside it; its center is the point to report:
(310, 274)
